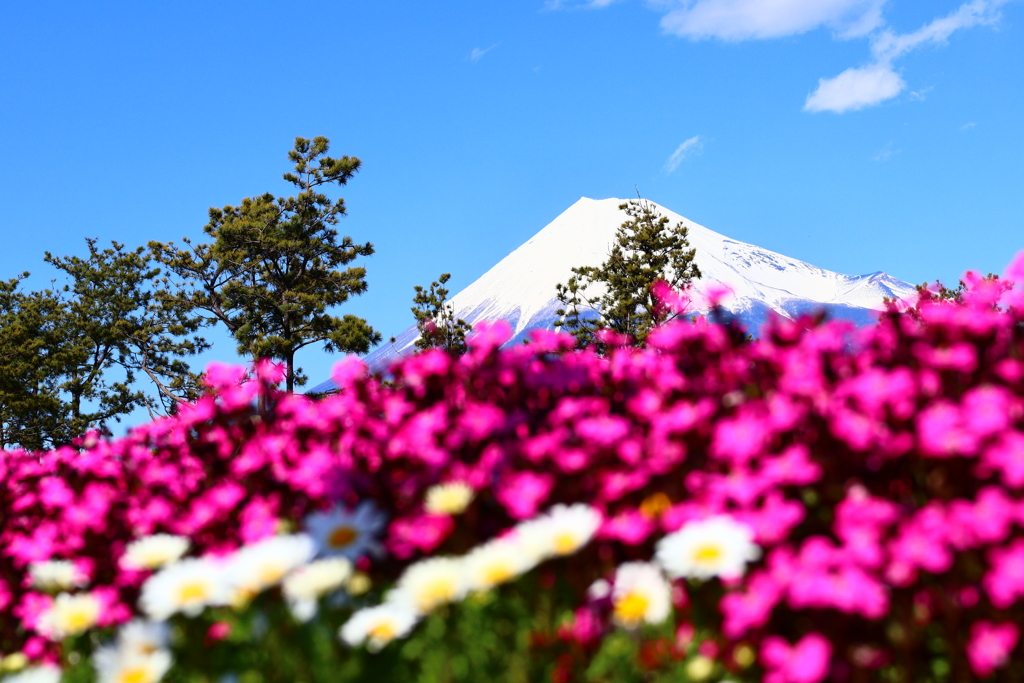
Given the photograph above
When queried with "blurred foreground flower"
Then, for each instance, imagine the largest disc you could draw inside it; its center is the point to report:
(448, 499)
(431, 583)
(640, 595)
(717, 546)
(306, 584)
(348, 534)
(56, 575)
(188, 586)
(69, 615)
(152, 552)
(378, 626)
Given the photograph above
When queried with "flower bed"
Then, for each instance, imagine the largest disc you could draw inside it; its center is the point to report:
(825, 503)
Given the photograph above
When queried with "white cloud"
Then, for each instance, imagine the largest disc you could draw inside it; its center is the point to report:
(865, 86)
(692, 146)
(752, 19)
(855, 89)
(478, 52)
(968, 126)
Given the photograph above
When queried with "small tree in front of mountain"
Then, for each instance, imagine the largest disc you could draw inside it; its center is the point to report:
(617, 295)
(436, 320)
(276, 266)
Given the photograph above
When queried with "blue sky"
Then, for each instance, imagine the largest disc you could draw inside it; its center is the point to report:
(857, 135)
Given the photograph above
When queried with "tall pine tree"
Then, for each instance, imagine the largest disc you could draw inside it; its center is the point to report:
(617, 294)
(275, 266)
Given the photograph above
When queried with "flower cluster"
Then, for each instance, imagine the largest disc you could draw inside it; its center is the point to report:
(824, 502)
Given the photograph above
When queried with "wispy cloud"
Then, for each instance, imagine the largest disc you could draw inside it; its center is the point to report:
(692, 146)
(920, 95)
(877, 82)
(968, 126)
(479, 52)
(753, 19)
(887, 153)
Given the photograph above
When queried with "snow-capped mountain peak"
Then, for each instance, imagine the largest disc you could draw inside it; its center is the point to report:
(521, 287)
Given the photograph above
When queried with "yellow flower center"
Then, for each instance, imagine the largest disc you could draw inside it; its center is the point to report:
(631, 608)
(191, 592)
(342, 536)
(565, 543)
(436, 593)
(383, 632)
(498, 573)
(134, 674)
(78, 619)
(709, 553)
(271, 574)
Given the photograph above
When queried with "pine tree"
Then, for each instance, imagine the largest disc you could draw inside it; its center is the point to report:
(435, 319)
(617, 295)
(78, 356)
(275, 267)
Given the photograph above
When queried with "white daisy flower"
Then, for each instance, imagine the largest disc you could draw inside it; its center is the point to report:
(56, 575)
(448, 499)
(717, 546)
(304, 586)
(69, 615)
(257, 567)
(431, 583)
(641, 595)
(563, 530)
(36, 674)
(153, 552)
(378, 626)
(348, 534)
(139, 637)
(188, 586)
(115, 665)
(495, 563)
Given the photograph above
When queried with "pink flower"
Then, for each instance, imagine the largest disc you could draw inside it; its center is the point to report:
(941, 432)
(522, 493)
(631, 527)
(793, 467)
(989, 645)
(1004, 582)
(986, 409)
(751, 607)
(584, 628)
(422, 532)
(1006, 456)
(806, 662)
(488, 336)
(740, 438)
(604, 431)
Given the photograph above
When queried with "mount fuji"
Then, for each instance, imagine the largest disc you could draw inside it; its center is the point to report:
(521, 287)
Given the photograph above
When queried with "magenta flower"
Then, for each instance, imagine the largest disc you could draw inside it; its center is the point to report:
(806, 662)
(990, 645)
(522, 493)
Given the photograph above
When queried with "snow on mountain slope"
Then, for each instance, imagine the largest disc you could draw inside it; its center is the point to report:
(521, 287)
